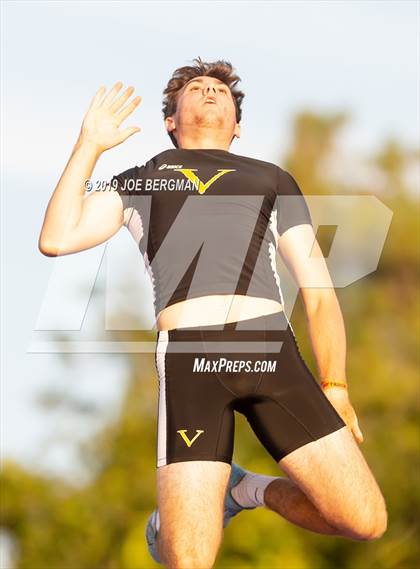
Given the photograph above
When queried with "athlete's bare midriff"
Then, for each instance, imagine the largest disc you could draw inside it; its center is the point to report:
(214, 309)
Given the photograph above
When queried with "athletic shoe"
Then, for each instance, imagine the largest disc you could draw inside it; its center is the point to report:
(232, 508)
(151, 536)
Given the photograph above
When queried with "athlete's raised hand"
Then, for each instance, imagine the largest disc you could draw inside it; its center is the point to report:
(106, 112)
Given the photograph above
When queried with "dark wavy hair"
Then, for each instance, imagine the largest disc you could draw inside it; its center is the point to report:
(220, 69)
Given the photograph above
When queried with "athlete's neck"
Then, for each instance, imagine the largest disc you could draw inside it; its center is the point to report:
(202, 141)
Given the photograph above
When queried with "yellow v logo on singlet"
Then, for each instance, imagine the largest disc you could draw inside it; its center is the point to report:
(189, 173)
(187, 441)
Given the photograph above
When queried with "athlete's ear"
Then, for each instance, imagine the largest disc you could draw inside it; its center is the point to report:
(170, 124)
(237, 131)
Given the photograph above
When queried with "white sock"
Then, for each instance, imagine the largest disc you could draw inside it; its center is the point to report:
(249, 493)
(157, 520)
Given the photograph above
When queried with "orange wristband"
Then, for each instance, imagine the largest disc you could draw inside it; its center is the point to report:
(326, 383)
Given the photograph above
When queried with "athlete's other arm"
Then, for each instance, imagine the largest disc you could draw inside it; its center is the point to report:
(74, 222)
(304, 259)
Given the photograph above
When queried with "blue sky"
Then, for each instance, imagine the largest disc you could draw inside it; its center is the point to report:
(362, 57)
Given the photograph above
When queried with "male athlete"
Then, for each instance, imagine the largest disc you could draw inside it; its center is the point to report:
(208, 224)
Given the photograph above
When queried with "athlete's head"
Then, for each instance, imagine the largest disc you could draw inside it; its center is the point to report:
(201, 102)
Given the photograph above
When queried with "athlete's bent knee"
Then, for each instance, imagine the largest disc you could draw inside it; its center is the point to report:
(368, 528)
(381, 524)
(369, 535)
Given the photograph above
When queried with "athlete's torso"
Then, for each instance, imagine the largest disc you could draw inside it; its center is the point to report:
(206, 223)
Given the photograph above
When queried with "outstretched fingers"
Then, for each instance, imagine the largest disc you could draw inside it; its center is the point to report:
(119, 101)
(106, 113)
(129, 131)
(126, 111)
(95, 102)
(110, 97)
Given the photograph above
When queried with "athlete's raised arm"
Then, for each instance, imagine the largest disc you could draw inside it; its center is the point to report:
(73, 221)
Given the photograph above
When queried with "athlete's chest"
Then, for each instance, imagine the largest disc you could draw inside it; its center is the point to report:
(211, 177)
(191, 196)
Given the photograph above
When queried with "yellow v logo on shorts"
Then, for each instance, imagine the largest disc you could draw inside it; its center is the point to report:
(189, 173)
(188, 442)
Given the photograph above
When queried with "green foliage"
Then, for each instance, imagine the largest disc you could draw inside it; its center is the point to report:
(101, 525)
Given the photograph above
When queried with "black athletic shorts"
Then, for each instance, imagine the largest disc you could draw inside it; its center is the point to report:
(253, 367)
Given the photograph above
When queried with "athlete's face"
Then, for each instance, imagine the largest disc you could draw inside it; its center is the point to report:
(208, 103)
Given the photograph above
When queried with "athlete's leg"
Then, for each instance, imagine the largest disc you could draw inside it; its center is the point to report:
(335, 481)
(190, 502)
(278, 493)
(303, 432)
(284, 497)
(194, 451)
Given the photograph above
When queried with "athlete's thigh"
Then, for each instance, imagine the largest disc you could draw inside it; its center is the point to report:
(195, 418)
(190, 501)
(288, 409)
(335, 476)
